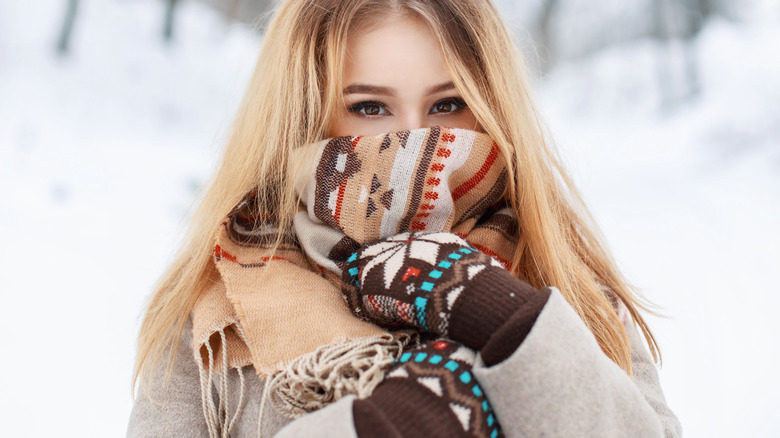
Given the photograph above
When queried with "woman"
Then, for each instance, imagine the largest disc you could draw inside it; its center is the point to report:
(473, 236)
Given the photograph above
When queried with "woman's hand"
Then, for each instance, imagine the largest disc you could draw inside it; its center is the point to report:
(439, 284)
(437, 376)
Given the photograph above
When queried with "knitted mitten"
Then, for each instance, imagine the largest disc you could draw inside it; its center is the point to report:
(438, 283)
(429, 392)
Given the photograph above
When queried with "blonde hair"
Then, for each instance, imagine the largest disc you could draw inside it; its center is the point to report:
(296, 90)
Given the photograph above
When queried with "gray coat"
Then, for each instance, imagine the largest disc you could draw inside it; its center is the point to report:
(558, 383)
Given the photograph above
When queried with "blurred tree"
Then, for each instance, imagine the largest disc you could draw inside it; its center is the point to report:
(170, 6)
(63, 42)
(231, 9)
(567, 29)
(678, 24)
(544, 26)
(697, 13)
(251, 12)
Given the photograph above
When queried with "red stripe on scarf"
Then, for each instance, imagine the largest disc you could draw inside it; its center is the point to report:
(493, 254)
(221, 253)
(343, 186)
(479, 176)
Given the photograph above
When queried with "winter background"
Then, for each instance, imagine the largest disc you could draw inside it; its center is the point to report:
(668, 118)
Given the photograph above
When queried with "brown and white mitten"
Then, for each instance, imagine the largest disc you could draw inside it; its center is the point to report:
(429, 392)
(438, 283)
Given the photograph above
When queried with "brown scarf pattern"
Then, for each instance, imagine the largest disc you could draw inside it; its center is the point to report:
(275, 311)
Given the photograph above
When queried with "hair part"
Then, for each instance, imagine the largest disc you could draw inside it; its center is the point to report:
(295, 91)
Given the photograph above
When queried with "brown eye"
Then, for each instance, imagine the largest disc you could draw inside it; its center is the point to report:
(372, 110)
(445, 107)
(448, 106)
(369, 108)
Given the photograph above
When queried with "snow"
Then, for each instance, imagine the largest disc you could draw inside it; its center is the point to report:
(100, 157)
(688, 201)
(102, 152)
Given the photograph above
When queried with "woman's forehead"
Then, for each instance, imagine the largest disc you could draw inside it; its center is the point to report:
(401, 54)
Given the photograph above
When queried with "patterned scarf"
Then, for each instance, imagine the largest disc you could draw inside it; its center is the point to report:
(272, 311)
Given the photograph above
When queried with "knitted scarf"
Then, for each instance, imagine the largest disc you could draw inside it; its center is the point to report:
(284, 313)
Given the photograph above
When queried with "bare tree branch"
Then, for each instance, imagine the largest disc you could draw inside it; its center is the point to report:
(170, 11)
(63, 42)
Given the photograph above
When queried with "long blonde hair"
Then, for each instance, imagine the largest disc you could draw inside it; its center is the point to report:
(296, 89)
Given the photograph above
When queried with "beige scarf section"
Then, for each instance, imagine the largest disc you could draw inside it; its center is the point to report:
(285, 313)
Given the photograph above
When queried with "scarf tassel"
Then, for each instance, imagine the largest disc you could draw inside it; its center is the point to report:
(317, 379)
(308, 382)
(216, 414)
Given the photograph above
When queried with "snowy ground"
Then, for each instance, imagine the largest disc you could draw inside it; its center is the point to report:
(101, 154)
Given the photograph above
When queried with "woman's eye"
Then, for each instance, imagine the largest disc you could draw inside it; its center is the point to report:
(369, 109)
(448, 106)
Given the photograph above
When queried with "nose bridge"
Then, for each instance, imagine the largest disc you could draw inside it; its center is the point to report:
(412, 117)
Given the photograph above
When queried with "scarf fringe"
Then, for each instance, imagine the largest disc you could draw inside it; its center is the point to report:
(216, 415)
(308, 382)
(317, 379)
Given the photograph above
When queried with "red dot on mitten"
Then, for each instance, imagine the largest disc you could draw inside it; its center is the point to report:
(440, 284)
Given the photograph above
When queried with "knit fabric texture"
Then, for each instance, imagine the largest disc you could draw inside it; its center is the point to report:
(430, 391)
(437, 283)
(267, 309)
(283, 305)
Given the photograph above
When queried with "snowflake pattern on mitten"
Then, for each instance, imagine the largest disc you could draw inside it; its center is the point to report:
(430, 390)
(414, 279)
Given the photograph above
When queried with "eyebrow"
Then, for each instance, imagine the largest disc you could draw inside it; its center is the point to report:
(388, 91)
(441, 87)
(369, 89)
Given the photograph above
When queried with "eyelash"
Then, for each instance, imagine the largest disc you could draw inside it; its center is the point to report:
(459, 103)
(358, 107)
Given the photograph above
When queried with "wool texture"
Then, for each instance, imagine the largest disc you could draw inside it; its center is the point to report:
(438, 283)
(268, 309)
(430, 391)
